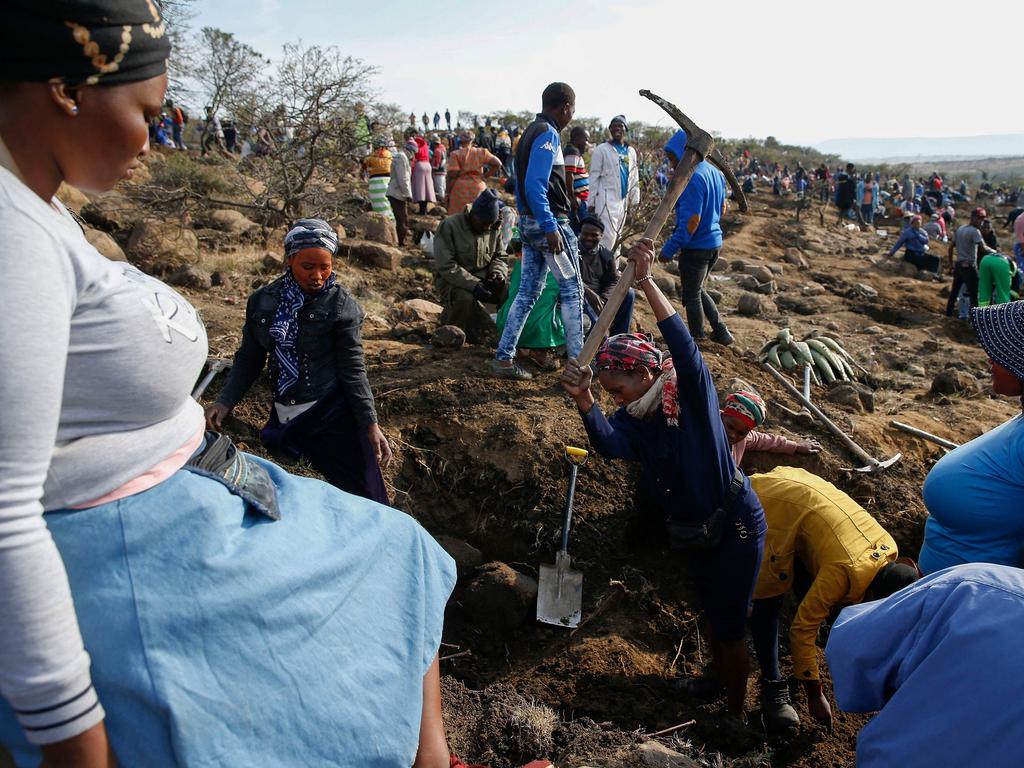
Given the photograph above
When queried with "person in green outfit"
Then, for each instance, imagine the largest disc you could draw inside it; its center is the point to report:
(543, 332)
(995, 276)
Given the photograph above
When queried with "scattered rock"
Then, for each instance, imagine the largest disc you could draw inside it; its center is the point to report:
(666, 284)
(190, 276)
(654, 754)
(767, 288)
(872, 329)
(339, 230)
(813, 289)
(222, 279)
(738, 265)
(672, 267)
(378, 228)
(832, 326)
(73, 199)
(439, 211)
(160, 247)
(105, 244)
(716, 295)
(448, 337)
(794, 257)
(466, 556)
(500, 597)
(271, 263)
(420, 224)
(112, 212)
(906, 269)
(865, 290)
(915, 370)
(375, 254)
(926, 277)
(846, 395)
(954, 382)
(720, 265)
(748, 282)
(231, 221)
(776, 269)
(763, 274)
(753, 305)
(416, 311)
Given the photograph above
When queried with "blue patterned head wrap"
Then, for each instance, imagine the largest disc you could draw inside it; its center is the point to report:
(310, 233)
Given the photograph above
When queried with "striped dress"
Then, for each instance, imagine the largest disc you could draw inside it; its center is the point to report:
(378, 167)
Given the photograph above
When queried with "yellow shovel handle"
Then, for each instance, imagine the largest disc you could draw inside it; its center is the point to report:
(577, 456)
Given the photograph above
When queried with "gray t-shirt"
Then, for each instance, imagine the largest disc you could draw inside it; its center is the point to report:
(968, 238)
(96, 364)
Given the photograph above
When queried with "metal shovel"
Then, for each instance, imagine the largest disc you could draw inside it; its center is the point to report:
(560, 589)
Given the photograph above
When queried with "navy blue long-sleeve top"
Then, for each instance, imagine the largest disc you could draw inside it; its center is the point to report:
(688, 468)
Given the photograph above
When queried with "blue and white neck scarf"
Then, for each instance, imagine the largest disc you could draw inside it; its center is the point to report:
(285, 330)
(305, 233)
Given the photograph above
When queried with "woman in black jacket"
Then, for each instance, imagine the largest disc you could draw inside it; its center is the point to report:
(311, 328)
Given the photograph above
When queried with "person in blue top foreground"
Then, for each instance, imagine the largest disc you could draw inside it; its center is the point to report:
(940, 661)
(698, 241)
(974, 493)
(669, 422)
(548, 241)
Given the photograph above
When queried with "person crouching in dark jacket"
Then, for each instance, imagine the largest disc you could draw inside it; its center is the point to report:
(311, 329)
(600, 276)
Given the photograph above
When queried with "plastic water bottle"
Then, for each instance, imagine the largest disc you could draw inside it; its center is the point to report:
(963, 303)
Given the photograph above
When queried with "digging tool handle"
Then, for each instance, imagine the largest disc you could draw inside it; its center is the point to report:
(807, 381)
(680, 178)
(216, 366)
(924, 435)
(567, 517)
(856, 449)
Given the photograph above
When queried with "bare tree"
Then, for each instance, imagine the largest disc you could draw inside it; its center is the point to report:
(304, 129)
(177, 15)
(226, 69)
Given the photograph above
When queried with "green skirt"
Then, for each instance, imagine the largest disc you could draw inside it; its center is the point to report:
(544, 329)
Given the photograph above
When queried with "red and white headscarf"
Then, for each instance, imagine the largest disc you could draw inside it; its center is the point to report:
(629, 351)
(748, 407)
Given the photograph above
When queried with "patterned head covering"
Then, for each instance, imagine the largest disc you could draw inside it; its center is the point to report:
(1000, 330)
(310, 233)
(748, 407)
(627, 352)
(82, 42)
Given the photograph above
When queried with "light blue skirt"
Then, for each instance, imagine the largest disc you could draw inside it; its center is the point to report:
(221, 638)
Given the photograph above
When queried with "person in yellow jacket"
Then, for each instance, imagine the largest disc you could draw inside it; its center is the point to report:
(816, 534)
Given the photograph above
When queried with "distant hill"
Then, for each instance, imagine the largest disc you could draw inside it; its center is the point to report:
(921, 149)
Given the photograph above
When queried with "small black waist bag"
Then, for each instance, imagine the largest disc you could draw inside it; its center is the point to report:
(708, 534)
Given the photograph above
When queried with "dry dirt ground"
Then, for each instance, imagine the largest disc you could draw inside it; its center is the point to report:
(479, 460)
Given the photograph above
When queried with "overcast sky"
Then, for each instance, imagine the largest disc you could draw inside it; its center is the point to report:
(803, 71)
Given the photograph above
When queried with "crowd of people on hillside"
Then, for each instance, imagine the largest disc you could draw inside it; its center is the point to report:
(177, 601)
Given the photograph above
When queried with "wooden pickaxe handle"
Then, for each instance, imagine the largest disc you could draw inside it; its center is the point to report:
(699, 144)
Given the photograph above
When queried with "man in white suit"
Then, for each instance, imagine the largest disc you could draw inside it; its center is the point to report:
(614, 181)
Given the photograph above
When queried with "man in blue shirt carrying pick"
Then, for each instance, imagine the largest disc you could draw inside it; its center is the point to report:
(548, 241)
(698, 240)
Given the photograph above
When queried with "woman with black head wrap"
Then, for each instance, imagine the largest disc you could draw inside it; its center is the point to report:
(179, 601)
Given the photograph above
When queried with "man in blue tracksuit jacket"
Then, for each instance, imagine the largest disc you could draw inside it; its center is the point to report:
(698, 240)
(548, 241)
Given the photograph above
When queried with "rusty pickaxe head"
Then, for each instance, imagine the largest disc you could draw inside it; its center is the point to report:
(875, 465)
(703, 143)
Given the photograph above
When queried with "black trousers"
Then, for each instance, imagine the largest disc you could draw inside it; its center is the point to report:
(963, 274)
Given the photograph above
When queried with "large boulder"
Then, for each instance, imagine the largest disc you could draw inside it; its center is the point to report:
(378, 228)
(232, 222)
(160, 247)
(112, 212)
(105, 244)
(371, 253)
(500, 597)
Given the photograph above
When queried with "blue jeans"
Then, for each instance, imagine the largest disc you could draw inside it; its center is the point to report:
(536, 256)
